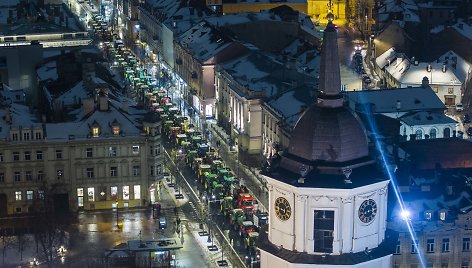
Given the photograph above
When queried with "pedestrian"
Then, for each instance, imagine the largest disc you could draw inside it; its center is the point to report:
(175, 210)
(178, 221)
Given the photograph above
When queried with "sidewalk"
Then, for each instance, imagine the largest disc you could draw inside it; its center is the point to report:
(193, 229)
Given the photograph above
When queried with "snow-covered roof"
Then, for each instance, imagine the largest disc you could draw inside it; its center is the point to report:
(415, 74)
(396, 100)
(459, 65)
(307, 57)
(244, 17)
(47, 71)
(387, 56)
(426, 118)
(289, 105)
(408, 8)
(204, 41)
(398, 67)
(463, 28)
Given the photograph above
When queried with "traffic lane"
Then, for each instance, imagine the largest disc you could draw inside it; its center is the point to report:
(216, 217)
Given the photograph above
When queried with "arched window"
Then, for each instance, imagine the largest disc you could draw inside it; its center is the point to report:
(432, 133)
(447, 133)
(419, 134)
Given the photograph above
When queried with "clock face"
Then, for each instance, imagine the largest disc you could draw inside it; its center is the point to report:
(367, 211)
(282, 209)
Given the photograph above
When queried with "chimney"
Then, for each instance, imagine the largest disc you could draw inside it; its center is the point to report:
(124, 106)
(428, 68)
(103, 102)
(425, 82)
(444, 68)
(88, 105)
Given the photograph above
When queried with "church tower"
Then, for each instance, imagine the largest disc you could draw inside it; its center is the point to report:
(327, 197)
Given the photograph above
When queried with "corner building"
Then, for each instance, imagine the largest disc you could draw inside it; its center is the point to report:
(327, 197)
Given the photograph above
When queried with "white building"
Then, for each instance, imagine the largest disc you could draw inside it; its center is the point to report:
(328, 201)
(418, 110)
(447, 76)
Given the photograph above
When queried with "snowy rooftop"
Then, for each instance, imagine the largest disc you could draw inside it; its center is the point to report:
(291, 104)
(204, 41)
(426, 118)
(20, 26)
(409, 73)
(463, 28)
(408, 8)
(396, 100)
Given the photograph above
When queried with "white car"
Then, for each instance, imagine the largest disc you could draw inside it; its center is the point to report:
(459, 107)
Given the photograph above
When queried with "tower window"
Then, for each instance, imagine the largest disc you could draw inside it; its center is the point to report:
(323, 231)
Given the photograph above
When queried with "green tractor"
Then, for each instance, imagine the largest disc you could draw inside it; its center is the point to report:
(236, 215)
(226, 205)
(209, 178)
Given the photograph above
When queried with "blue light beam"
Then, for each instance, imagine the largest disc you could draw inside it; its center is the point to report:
(391, 176)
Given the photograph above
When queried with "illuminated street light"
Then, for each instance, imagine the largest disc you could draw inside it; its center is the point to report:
(405, 214)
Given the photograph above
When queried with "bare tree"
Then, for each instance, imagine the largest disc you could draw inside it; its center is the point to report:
(49, 225)
(7, 241)
(22, 240)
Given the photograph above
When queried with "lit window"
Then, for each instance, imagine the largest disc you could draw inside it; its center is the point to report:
(18, 195)
(135, 149)
(95, 131)
(29, 195)
(80, 191)
(442, 215)
(137, 192)
(125, 192)
(91, 194)
(112, 151)
(114, 192)
(428, 215)
(116, 131)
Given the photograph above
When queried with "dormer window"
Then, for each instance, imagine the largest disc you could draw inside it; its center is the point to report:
(115, 127)
(116, 130)
(442, 215)
(428, 215)
(95, 129)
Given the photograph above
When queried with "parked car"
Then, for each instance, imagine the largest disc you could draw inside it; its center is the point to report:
(459, 107)
(465, 118)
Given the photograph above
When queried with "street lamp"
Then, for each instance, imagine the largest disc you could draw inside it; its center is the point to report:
(210, 200)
